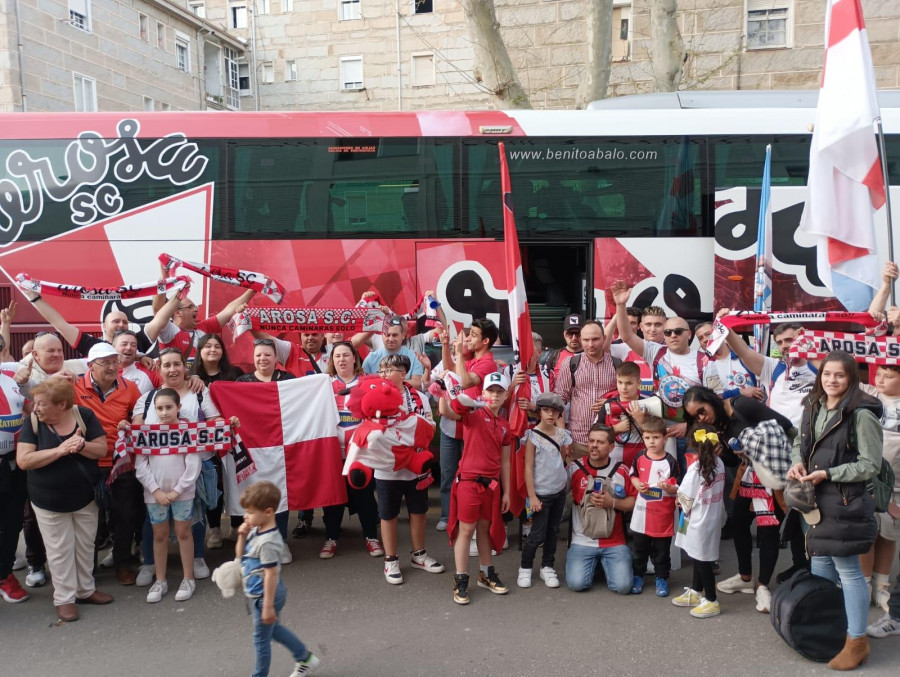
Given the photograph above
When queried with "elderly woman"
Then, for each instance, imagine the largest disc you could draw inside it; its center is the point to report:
(60, 457)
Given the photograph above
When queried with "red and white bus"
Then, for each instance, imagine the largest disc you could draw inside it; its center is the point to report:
(661, 191)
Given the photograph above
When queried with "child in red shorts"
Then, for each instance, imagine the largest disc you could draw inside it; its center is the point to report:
(476, 502)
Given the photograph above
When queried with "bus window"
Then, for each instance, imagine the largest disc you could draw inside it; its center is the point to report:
(346, 187)
(588, 187)
(739, 160)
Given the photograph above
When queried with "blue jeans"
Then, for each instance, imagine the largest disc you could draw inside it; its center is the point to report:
(264, 634)
(846, 572)
(581, 562)
(451, 450)
(198, 531)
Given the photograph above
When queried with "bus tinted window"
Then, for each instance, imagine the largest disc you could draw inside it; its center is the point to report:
(739, 160)
(587, 187)
(341, 187)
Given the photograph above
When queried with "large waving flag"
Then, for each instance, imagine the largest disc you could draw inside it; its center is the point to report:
(762, 286)
(290, 428)
(845, 180)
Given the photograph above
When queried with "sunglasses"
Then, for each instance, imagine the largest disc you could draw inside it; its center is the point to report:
(674, 332)
(264, 342)
(44, 333)
(170, 351)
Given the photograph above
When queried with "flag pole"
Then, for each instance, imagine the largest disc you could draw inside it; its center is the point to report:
(887, 199)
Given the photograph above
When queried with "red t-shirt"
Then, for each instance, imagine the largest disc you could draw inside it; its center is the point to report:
(580, 482)
(484, 435)
(186, 341)
(482, 366)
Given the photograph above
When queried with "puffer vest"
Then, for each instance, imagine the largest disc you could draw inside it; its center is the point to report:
(848, 524)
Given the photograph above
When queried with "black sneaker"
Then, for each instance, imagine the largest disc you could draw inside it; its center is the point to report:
(461, 588)
(302, 529)
(492, 582)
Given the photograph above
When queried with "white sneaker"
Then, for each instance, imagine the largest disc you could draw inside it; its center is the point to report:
(145, 575)
(392, 572)
(473, 549)
(157, 590)
(441, 525)
(885, 627)
(186, 590)
(286, 556)
(201, 571)
(426, 562)
(763, 599)
(214, 540)
(306, 666)
(735, 584)
(108, 562)
(548, 575)
(650, 568)
(36, 577)
(20, 562)
(524, 579)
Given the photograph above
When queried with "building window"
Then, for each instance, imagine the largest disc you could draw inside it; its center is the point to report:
(244, 79)
(423, 70)
(182, 53)
(268, 72)
(234, 84)
(85, 93)
(290, 71)
(199, 9)
(350, 10)
(238, 16)
(262, 7)
(161, 35)
(149, 104)
(142, 24)
(80, 14)
(423, 6)
(620, 46)
(769, 24)
(166, 107)
(351, 72)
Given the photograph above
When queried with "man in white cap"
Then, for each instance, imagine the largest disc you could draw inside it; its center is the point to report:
(112, 399)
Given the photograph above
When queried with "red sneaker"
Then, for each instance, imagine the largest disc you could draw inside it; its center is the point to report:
(11, 591)
(327, 551)
(373, 545)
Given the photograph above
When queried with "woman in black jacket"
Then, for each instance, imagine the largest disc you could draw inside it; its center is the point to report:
(839, 450)
(731, 417)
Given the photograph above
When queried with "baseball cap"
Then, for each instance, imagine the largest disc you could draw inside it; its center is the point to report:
(550, 400)
(801, 496)
(100, 350)
(573, 322)
(496, 379)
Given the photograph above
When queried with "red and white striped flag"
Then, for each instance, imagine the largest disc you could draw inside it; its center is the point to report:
(291, 430)
(519, 315)
(845, 180)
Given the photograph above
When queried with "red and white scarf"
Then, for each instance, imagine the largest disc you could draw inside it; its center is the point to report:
(180, 283)
(274, 320)
(239, 278)
(761, 497)
(815, 345)
(166, 439)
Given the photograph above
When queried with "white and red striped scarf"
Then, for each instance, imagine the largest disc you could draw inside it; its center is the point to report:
(274, 320)
(180, 283)
(164, 439)
(761, 497)
(239, 278)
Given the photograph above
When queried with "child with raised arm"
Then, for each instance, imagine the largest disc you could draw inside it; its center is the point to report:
(653, 474)
(699, 532)
(169, 483)
(546, 479)
(259, 548)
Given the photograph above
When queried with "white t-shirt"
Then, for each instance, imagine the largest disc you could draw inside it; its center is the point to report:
(138, 377)
(190, 411)
(675, 374)
(11, 415)
(732, 373)
(786, 394)
(701, 538)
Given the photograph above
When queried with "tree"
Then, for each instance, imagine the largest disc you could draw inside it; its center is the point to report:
(493, 67)
(667, 48)
(599, 38)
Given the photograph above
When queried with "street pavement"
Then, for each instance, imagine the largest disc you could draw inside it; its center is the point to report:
(361, 626)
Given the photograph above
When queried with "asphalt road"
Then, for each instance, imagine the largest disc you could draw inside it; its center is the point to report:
(360, 626)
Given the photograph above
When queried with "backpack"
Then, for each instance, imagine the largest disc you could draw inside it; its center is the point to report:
(881, 487)
(575, 360)
(807, 612)
(596, 522)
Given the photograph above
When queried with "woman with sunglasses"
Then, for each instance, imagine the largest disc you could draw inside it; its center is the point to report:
(839, 451)
(194, 407)
(265, 362)
(731, 417)
(212, 364)
(345, 368)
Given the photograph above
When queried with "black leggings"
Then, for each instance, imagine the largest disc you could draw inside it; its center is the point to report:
(362, 502)
(705, 579)
(769, 540)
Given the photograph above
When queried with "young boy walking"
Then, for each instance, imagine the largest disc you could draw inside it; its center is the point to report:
(259, 547)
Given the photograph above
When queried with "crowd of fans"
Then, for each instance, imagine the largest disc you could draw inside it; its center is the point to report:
(631, 430)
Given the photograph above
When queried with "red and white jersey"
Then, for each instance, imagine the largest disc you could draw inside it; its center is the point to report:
(580, 482)
(297, 361)
(186, 341)
(11, 416)
(347, 422)
(144, 379)
(654, 510)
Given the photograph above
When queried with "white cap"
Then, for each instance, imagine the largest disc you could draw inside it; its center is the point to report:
(100, 350)
(496, 379)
